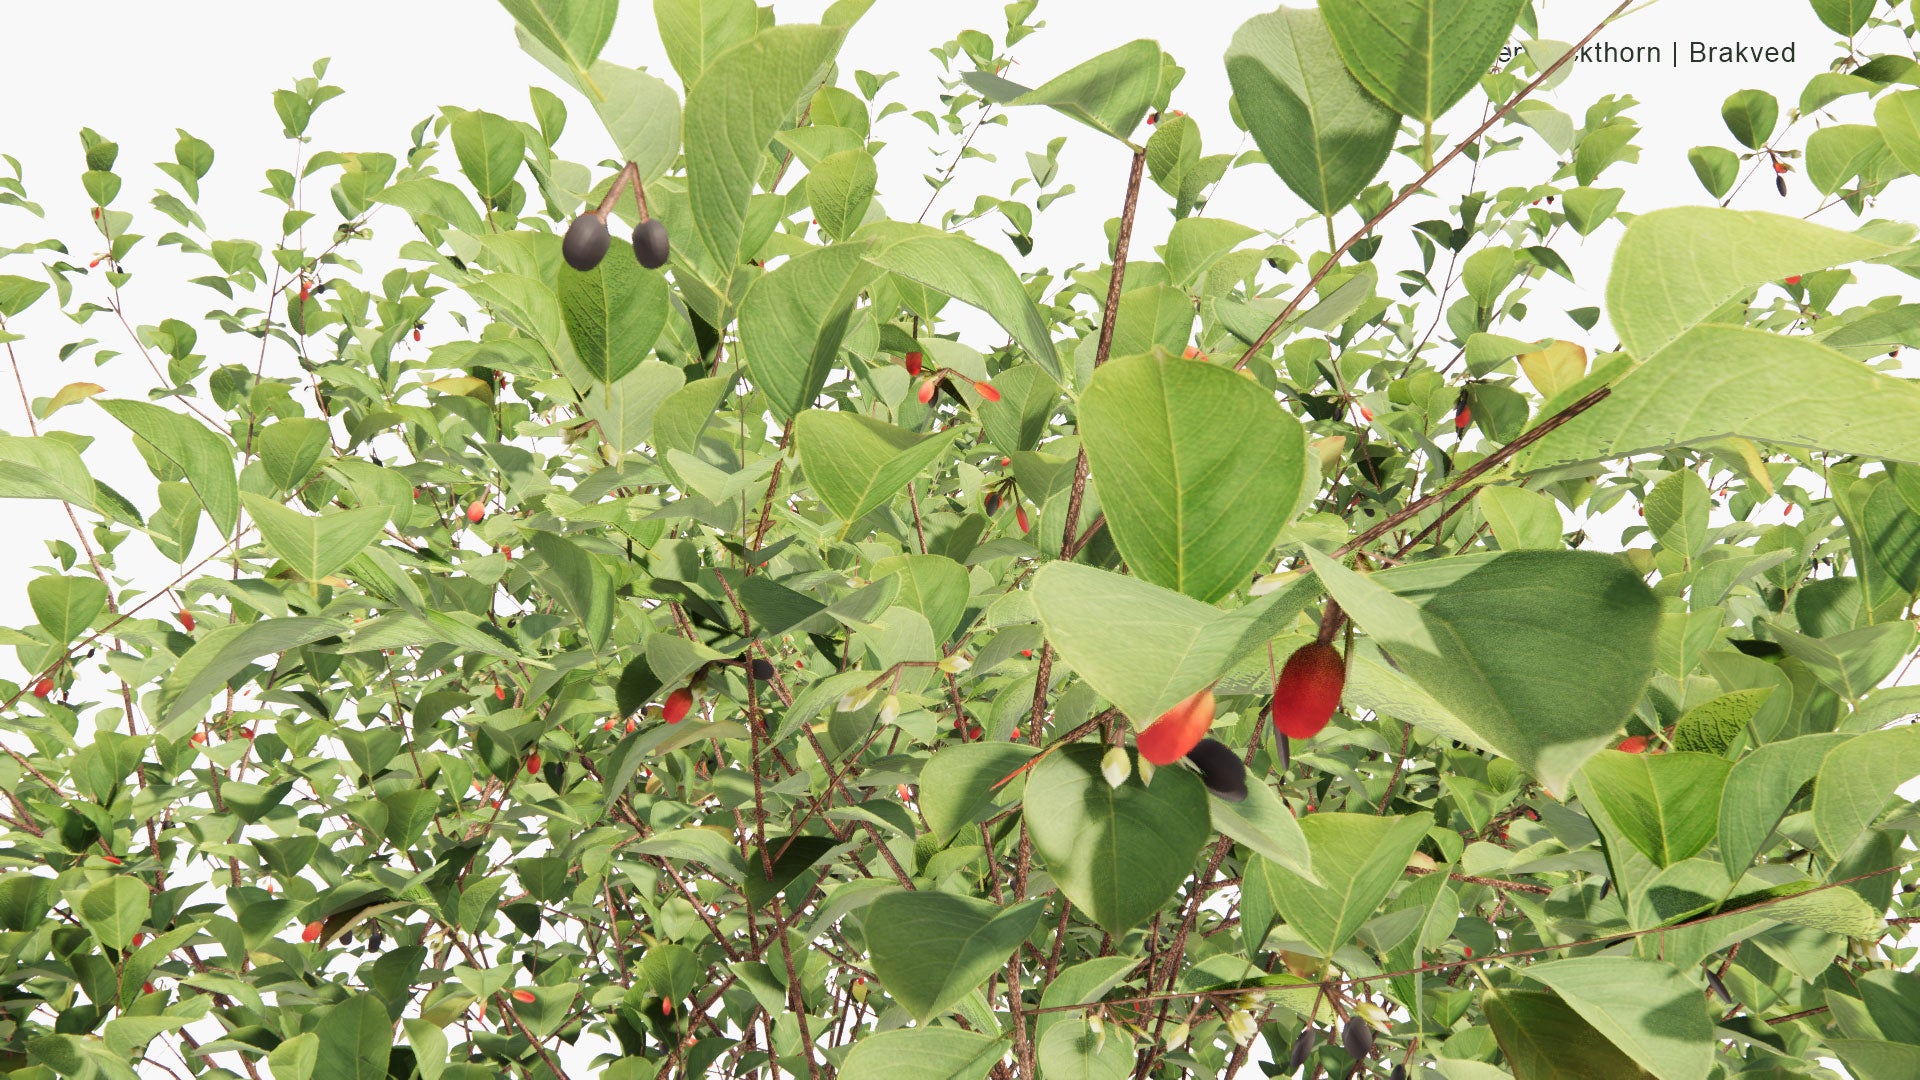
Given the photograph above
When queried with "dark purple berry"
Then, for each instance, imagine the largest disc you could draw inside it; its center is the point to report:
(992, 503)
(1286, 753)
(762, 669)
(1781, 183)
(1220, 769)
(650, 244)
(1357, 1038)
(1302, 1046)
(1719, 988)
(1399, 1072)
(585, 243)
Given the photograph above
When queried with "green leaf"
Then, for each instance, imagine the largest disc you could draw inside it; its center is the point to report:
(1143, 647)
(356, 1039)
(1677, 510)
(1844, 17)
(1664, 804)
(613, 313)
(931, 949)
(959, 781)
(1760, 788)
(1652, 1012)
(952, 264)
(583, 588)
(1839, 154)
(18, 293)
(1867, 1059)
(1540, 655)
(933, 585)
(115, 910)
(489, 148)
(296, 1058)
(746, 94)
(624, 410)
(1118, 853)
(855, 463)
(1543, 1039)
(1357, 858)
(793, 320)
(1265, 826)
(840, 188)
(1421, 57)
(1898, 118)
(1751, 116)
(694, 32)
(1712, 726)
(205, 457)
(1110, 93)
(1717, 167)
(66, 605)
(290, 450)
(1188, 510)
(315, 545)
(44, 468)
(1076, 1052)
(225, 651)
(1081, 984)
(1676, 267)
(936, 1053)
(574, 30)
(1521, 520)
(1856, 781)
(1316, 126)
(1717, 382)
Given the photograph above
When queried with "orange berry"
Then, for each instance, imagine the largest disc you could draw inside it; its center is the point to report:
(114, 859)
(499, 692)
(927, 388)
(1633, 744)
(476, 510)
(1366, 414)
(524, 997)
(186, 619)
(43, 687)
(312, 932)
(1178, 730)
(986, 390)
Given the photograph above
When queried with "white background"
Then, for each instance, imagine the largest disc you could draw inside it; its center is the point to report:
(136, 71)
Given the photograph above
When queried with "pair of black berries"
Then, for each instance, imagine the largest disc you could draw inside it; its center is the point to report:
(1356, 1038)
(587, 240)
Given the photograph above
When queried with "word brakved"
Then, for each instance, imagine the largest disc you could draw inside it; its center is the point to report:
(1672, 53)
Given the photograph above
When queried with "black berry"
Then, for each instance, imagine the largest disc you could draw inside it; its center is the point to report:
(1302, 1046)
(1220, 769)
(650, 244)
(1357, 1038)
(762, 669)
(585, 243)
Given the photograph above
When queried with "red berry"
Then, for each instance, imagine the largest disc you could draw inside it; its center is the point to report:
(95, 262)
(1193, 353)
(416, 335)
(798, 664)
(1028, 653)
(630, 725)
(1779, 166)
(986, 390)
(476, 510)
(43, 687)
(1020, 516)
(524, 997)
(303, 292)
(677, 705)
(914, 362)
(199, 738)
(146, 988)
(96, 213)
(1005, 461)
(1309, 690)
(1462, 418)
(499, 692)
(246, 733)
(1152, 119)
(974, 733)
(1793, 279)
(533, 763)
(666, 1007)
(507, 552)
(927, 388)
(114, 859)
(1178, 730)
(1366, 413)
(1633, 744)
(1468, 950)
(137, 939)
(312, 932)
(186, 619)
